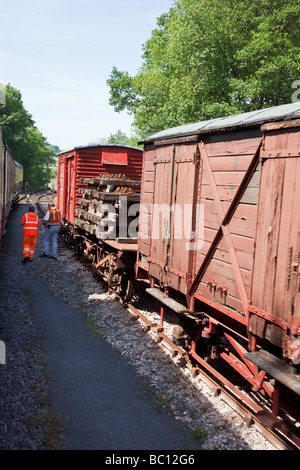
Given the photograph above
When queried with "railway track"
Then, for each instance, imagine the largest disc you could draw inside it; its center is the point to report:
(42, 200)
(254, 413)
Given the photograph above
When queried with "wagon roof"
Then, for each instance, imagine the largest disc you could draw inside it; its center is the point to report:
(253, 118)
(99, 146)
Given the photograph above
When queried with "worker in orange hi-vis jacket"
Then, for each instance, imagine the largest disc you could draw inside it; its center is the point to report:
(30, 221)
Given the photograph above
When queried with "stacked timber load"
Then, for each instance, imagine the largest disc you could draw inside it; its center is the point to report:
(105, 204)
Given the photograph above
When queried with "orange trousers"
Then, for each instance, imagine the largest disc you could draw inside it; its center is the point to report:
(29, 243)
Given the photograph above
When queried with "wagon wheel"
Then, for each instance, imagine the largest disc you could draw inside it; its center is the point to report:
(97, 256)
(111, 274)
(78, 249)
(69, 236)
(127, 285)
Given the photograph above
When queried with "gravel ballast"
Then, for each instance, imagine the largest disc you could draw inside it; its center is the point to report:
(27, 419)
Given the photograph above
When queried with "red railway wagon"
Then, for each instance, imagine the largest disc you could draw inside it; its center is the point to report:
(219, 239)
(90, 162)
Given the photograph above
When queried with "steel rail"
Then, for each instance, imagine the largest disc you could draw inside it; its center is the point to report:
(38, 202)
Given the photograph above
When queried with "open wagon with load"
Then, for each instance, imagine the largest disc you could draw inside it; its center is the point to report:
(106, 229)
(98, 190)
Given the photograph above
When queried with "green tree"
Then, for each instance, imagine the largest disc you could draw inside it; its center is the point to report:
(119, 138)
(27, 144)
(55, 150)
(210, 58)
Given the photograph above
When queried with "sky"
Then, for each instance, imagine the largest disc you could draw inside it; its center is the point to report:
(60, 53)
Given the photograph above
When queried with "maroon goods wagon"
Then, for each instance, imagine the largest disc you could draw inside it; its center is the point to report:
(91, 162)
(219, 240)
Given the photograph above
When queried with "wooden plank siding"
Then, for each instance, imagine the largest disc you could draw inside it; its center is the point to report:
(229, 157)
(241, 174)
(185, 181)
(146, 201)
(276, 286)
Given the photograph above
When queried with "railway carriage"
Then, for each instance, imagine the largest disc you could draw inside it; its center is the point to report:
(11, 181)
(219, 241)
